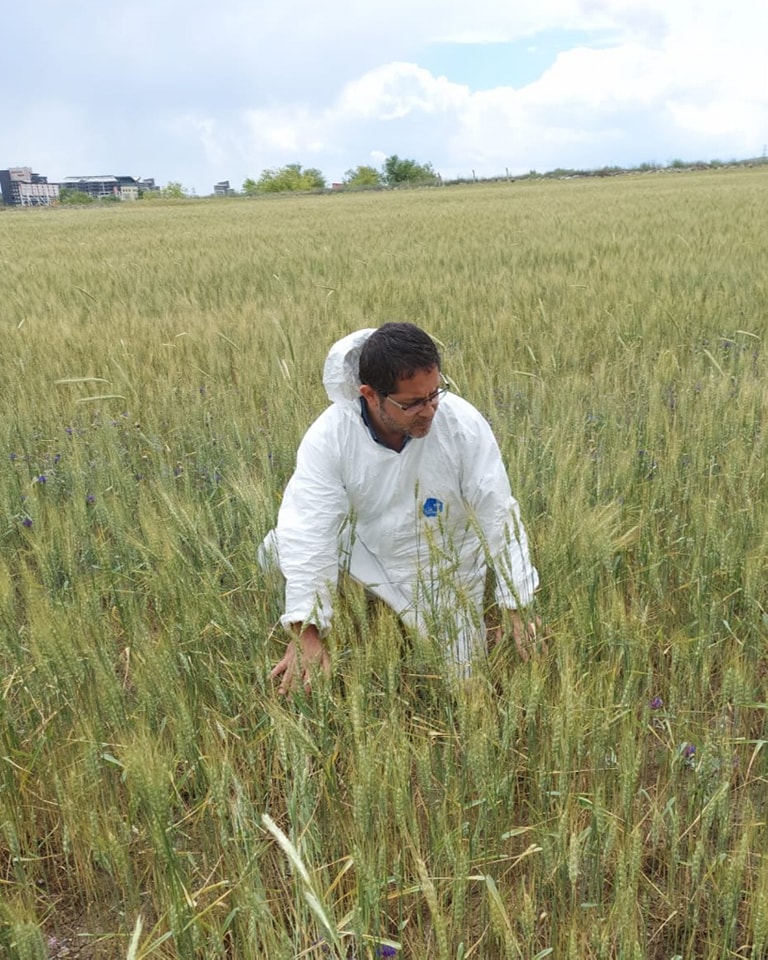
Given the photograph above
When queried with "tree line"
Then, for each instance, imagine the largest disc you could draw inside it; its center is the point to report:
(394, 172)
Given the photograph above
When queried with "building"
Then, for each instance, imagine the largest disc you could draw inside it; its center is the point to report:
(223, 189)
(121, 188)
(22, 188)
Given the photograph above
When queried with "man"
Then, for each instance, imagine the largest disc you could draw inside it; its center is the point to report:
(400, 484)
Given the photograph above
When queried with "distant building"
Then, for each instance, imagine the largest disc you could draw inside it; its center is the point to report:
(22, 188)
(223, 189)
(123, 188)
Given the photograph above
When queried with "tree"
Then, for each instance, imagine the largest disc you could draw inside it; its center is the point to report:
(70, 195)
(250, 187)
(363, 176)
(397, 171)
(173, 190)
(290, 177)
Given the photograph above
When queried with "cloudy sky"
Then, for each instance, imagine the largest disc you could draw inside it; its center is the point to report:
(182, 90)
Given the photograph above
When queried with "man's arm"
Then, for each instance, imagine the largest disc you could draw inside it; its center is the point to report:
(312, 512)
(487, 491)
(308, 523)
(486, 487)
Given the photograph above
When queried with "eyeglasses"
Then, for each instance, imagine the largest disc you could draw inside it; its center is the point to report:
(412, 408)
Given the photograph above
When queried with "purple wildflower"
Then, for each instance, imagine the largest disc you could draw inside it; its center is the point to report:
(41, 478)
(13, 456)
(656, 703)
(90, 498)
(26, 522)
(57, 458)
(385, 950)
(689, 750)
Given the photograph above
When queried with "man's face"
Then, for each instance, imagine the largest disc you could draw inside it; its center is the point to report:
(393, 421)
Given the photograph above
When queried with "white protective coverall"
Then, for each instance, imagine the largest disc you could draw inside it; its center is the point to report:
(414, 527)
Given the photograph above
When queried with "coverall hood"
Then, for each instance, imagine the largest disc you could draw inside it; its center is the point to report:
(341, 376)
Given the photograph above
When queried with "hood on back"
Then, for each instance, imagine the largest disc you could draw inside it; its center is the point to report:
(341, 377)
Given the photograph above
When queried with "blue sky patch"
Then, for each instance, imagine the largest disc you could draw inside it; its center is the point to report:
(484, 66)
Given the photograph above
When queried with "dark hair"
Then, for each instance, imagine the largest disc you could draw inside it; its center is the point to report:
(395, 352)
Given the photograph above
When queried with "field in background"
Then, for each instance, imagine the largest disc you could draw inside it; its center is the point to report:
(159, 366)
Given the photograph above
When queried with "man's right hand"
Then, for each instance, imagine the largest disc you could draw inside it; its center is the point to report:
(304, 657)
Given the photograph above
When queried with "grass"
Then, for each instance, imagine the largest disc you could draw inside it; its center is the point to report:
(161, 363)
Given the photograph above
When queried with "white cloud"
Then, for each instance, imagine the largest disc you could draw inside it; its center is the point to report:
(719, 118)
(398, 89)
(624, 75)
(286, 131)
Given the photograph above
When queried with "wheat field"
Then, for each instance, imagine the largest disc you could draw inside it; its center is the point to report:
(608, 800)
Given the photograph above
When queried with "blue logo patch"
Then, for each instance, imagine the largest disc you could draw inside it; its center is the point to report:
(432, 506)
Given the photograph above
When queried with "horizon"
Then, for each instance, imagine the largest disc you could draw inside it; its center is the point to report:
(605, 170)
